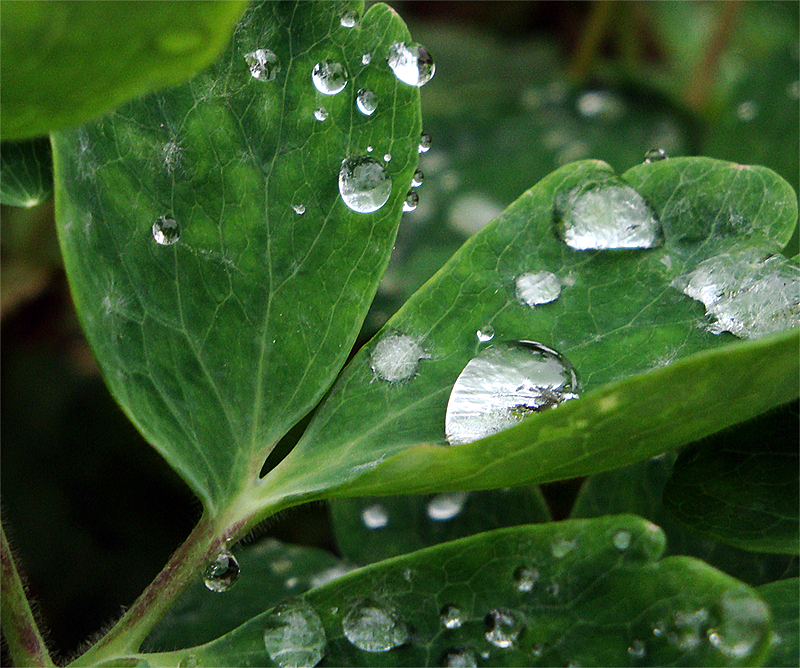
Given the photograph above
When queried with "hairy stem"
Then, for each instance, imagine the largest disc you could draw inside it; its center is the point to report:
(24, 640)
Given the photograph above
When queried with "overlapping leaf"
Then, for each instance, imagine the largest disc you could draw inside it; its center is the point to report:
(782, 597)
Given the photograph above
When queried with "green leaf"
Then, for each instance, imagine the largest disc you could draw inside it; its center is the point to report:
(217, 344)
(586, 592)
(65, 63)
(782, 597)
(374, 528)
(742, 488)
(654, 378)
(26, 172)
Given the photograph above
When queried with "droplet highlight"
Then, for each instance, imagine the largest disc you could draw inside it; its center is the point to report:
(329, 77)
(505, 627)
(418, 179)
(166, 231)
(364, 184)
(264, 64)
(424, 143)
(349, 19)
(411, 202)
(444, 507)
(396, 357)
(320, 113)
(461, 657)
(452, 617)
(655, 155)
(374, 627)
(411, 63)
(538, 288)
(294, 635)
(375, 516)
(366, 59)
(299, 209)
(366, 101)
(485, 334)
(526, 578)
(221, 573)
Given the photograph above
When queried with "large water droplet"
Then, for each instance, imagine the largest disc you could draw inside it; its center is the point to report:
(461, 657)
(526, 578)
(655, 155)
(418, 179)
(366, 101)
(364, 184)
(542, 287)
(221, 573)
(485, 333)
(411, 63)
(444, 507)
(396, 357)
(505, 383)
(374, 627)
(294, 635)
(744, 625)
(451, 616)
(748, 292)
(424, 143)
(329, 77)
(264, 64)
(505, 626)
(411, 201)
(166, 231)
(349, 19)
(320, 113)
(597, 216)
(375, 516)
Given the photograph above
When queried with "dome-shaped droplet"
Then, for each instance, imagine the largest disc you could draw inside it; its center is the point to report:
(411, 63)
(264, 64)
(349, 19)
(166, 231)
(485, 333)
(375, 516)
(370, 149)
(329, 77)
(747, 111)
(364, 184)
(294, 635)
(526, 578)
(504, 627)
(366, 101)
(451, 616)
(461, 657)
(424, 143)
(622, 540)
(387, 157)
(366, 59)
(320, 113)
(418, 179)
(505, 383)
(411, 201)
(638, 649)
(444, 507)
(600, 216)
(299, 209)
(221, 573)
(374, 627)
(537, 288)
(396, 357)
(654, 155)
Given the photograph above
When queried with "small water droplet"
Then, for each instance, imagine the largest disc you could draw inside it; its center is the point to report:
(387, 157)
(294, 635)
(542, 287)
(320, 113)
(221, 573)
(349, 19)
(655, 155)
(166, 231)
(411, 201)
(562, 547)
(505, 383)
(366, 59)
(411, 63)
(622, 540)
(485, 333)
(299, 209)
(408, 574)
(461, 657)
(370, 149)
(505, 626)
(374, 627)
(396, 357)
(444, 507)
(451, 616)
(329, 77)
(375, 516)
(264, 64)
(364, 184)
(600, 105)
(747, 111)
(418, 179)
(659, 628)
(637, 650)
(526, 578)
(424, 143)
(366, 101)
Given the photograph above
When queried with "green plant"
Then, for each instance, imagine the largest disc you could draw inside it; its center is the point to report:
(222, 280)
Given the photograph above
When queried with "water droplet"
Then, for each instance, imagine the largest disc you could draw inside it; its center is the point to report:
(451, 616)
(411, 201)
(370, 149)
(562, 547)
(294, 635)
(600, 105)
(749, 293)
(418, 179)
(364, 184)
(654, 155)
(505, 383)
(375, 516)
(659, 628)
(374, 627)
(329, 77)
(221, 573)
(462, 657)
(264, 64)
(622, 540)
(485, 333)
(320, 113)
(387, 157)
(189, 661)
(424, 143)
(366, 59)
(166, 231)
(525, 578)
(637, 650)
(411, 63)
(366, 101)
(599, 216)
(444, 507)
(505, 626)
(744, 624)
(349, 19)
(747, 111)
(299, 209)
(542, 287)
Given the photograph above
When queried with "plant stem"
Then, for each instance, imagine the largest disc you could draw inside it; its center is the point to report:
(21, 632)
(597, 27)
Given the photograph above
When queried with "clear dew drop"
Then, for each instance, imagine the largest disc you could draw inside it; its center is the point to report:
(418, 179)
(320, 113)
(485, 334)
(601, 216)
(329, 77)
(221, 573)
(364, 184)
(264, 64)
(538, 288)
(462, 657)
(655, 155)
(504, 627)
(411, 201)
(166, 231)
(349, 19)
(374, 627)
(396, 357)
(622, 540)
(562, 547)
(294, 635)
(637, 649)
(366, 101)
(411, 63)
(299, 209)
(526, 578)
(445, 507)
(451, 616)
(375, 516)
(387, 157)
(424, 143)
(747, 111)
(503, 384)
(366, 59)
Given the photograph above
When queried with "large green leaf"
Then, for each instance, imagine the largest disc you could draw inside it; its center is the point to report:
(217, 344)
(655, 378)
(580, 592)
(67, 62)
(26, 172)
(783, 598)
(742, 488)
